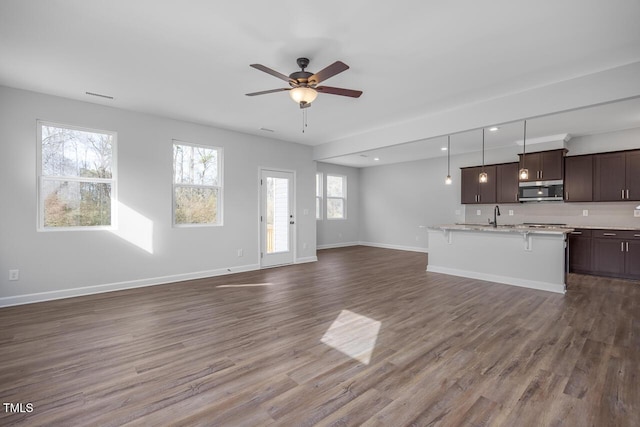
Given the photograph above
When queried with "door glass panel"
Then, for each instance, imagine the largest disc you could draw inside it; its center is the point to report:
(277, 215)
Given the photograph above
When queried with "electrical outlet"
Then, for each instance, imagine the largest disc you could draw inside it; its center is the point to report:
(478, 212)
(240, 252)
(585, 212)
(510, 212)
(14, 274)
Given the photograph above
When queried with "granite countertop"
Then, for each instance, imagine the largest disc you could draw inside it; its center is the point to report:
(604, 227)
(512, 228)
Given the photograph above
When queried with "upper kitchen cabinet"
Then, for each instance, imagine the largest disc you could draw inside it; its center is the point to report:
(544, 165)
(617, 176)
(507, 183)
(578, 179)
(475, 192)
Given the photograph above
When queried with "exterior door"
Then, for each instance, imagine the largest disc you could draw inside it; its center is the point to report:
(277, 223)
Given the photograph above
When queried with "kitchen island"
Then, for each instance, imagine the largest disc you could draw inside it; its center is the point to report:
(510, 254)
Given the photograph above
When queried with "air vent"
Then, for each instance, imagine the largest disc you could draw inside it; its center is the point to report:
(99, 95)
(267, 130)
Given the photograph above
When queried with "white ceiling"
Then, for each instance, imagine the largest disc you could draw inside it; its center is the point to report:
(552, 128)
(189, 60)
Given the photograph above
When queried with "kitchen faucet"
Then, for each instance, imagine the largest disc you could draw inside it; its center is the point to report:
(496, 214)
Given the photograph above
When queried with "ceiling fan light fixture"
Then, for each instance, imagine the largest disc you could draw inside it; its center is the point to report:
(305, 95)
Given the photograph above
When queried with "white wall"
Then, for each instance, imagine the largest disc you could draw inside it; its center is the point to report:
(337, 232)
(72, 260)
(398, 201)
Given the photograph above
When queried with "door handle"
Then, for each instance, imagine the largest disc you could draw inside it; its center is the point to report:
(621, 246)
(291, 222)
(622, 194)
(566, 195)
(609, 234)
(627, 194)
(627, 246)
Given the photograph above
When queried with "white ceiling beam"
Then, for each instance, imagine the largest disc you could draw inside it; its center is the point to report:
(598, 88)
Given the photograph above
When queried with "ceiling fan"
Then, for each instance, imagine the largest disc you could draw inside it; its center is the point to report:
(304, 85)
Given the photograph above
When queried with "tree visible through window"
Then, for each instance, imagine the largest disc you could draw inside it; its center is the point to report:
(336, 197)
(197, 188)
(319, 195)
(77, 170)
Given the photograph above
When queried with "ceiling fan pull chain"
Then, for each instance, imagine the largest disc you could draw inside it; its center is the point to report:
(303, 111)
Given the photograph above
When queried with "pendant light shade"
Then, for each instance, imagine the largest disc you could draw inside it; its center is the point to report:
(483, 178)
(524, 172)
(448, 179)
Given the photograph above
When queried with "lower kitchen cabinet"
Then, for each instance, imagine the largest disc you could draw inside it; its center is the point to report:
(580, 251)
(616, 253)
(632, 260)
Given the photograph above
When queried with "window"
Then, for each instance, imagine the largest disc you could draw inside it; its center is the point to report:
(336, 197)
(76, 171)
(319, 195)
(197, 184)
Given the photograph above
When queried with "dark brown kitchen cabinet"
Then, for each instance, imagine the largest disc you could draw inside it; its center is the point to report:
(544, 165)
(632, 169)
(507, 183)
(475, 192)
(616, 176)
(578, 179)
(616, 253)
(632, 260)
(580, 251)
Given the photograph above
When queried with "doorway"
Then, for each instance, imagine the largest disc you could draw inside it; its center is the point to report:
(277, 222)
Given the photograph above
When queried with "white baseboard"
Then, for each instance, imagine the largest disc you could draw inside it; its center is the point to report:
(397, 247)
(337, 245)
(306, 259)
(514, 281)
(118, 286)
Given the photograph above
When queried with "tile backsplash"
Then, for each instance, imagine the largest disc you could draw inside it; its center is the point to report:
(615, 214)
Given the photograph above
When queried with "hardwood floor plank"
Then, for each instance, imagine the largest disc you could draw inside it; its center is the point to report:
(365, 336)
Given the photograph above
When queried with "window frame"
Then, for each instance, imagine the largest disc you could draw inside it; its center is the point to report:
(343, 198)
(319, 197)
(40, 178)
(220, 187)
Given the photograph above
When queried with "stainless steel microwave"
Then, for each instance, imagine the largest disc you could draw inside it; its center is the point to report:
(539, 191)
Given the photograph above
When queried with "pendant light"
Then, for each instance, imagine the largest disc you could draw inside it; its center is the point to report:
(448, 180)
(483, 175)
(524, 172)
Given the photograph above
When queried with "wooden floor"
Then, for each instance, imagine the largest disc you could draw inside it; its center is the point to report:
(363, 337)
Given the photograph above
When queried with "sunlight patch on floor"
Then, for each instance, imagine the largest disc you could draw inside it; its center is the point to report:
(354, 335)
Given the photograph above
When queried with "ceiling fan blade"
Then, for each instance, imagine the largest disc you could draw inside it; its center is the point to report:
(330, 71)
(339, 91)
(264, 92)
(270, 71)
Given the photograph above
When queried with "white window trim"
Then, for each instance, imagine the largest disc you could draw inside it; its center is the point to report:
(219, 187)
(343, 198)
(320, 198)
(40, 178)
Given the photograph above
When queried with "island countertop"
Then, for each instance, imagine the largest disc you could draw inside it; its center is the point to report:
(507, 228)
(532, 257)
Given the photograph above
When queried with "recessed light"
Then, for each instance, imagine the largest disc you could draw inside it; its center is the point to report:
(494, 129)
(376, 159)
(443, 148)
